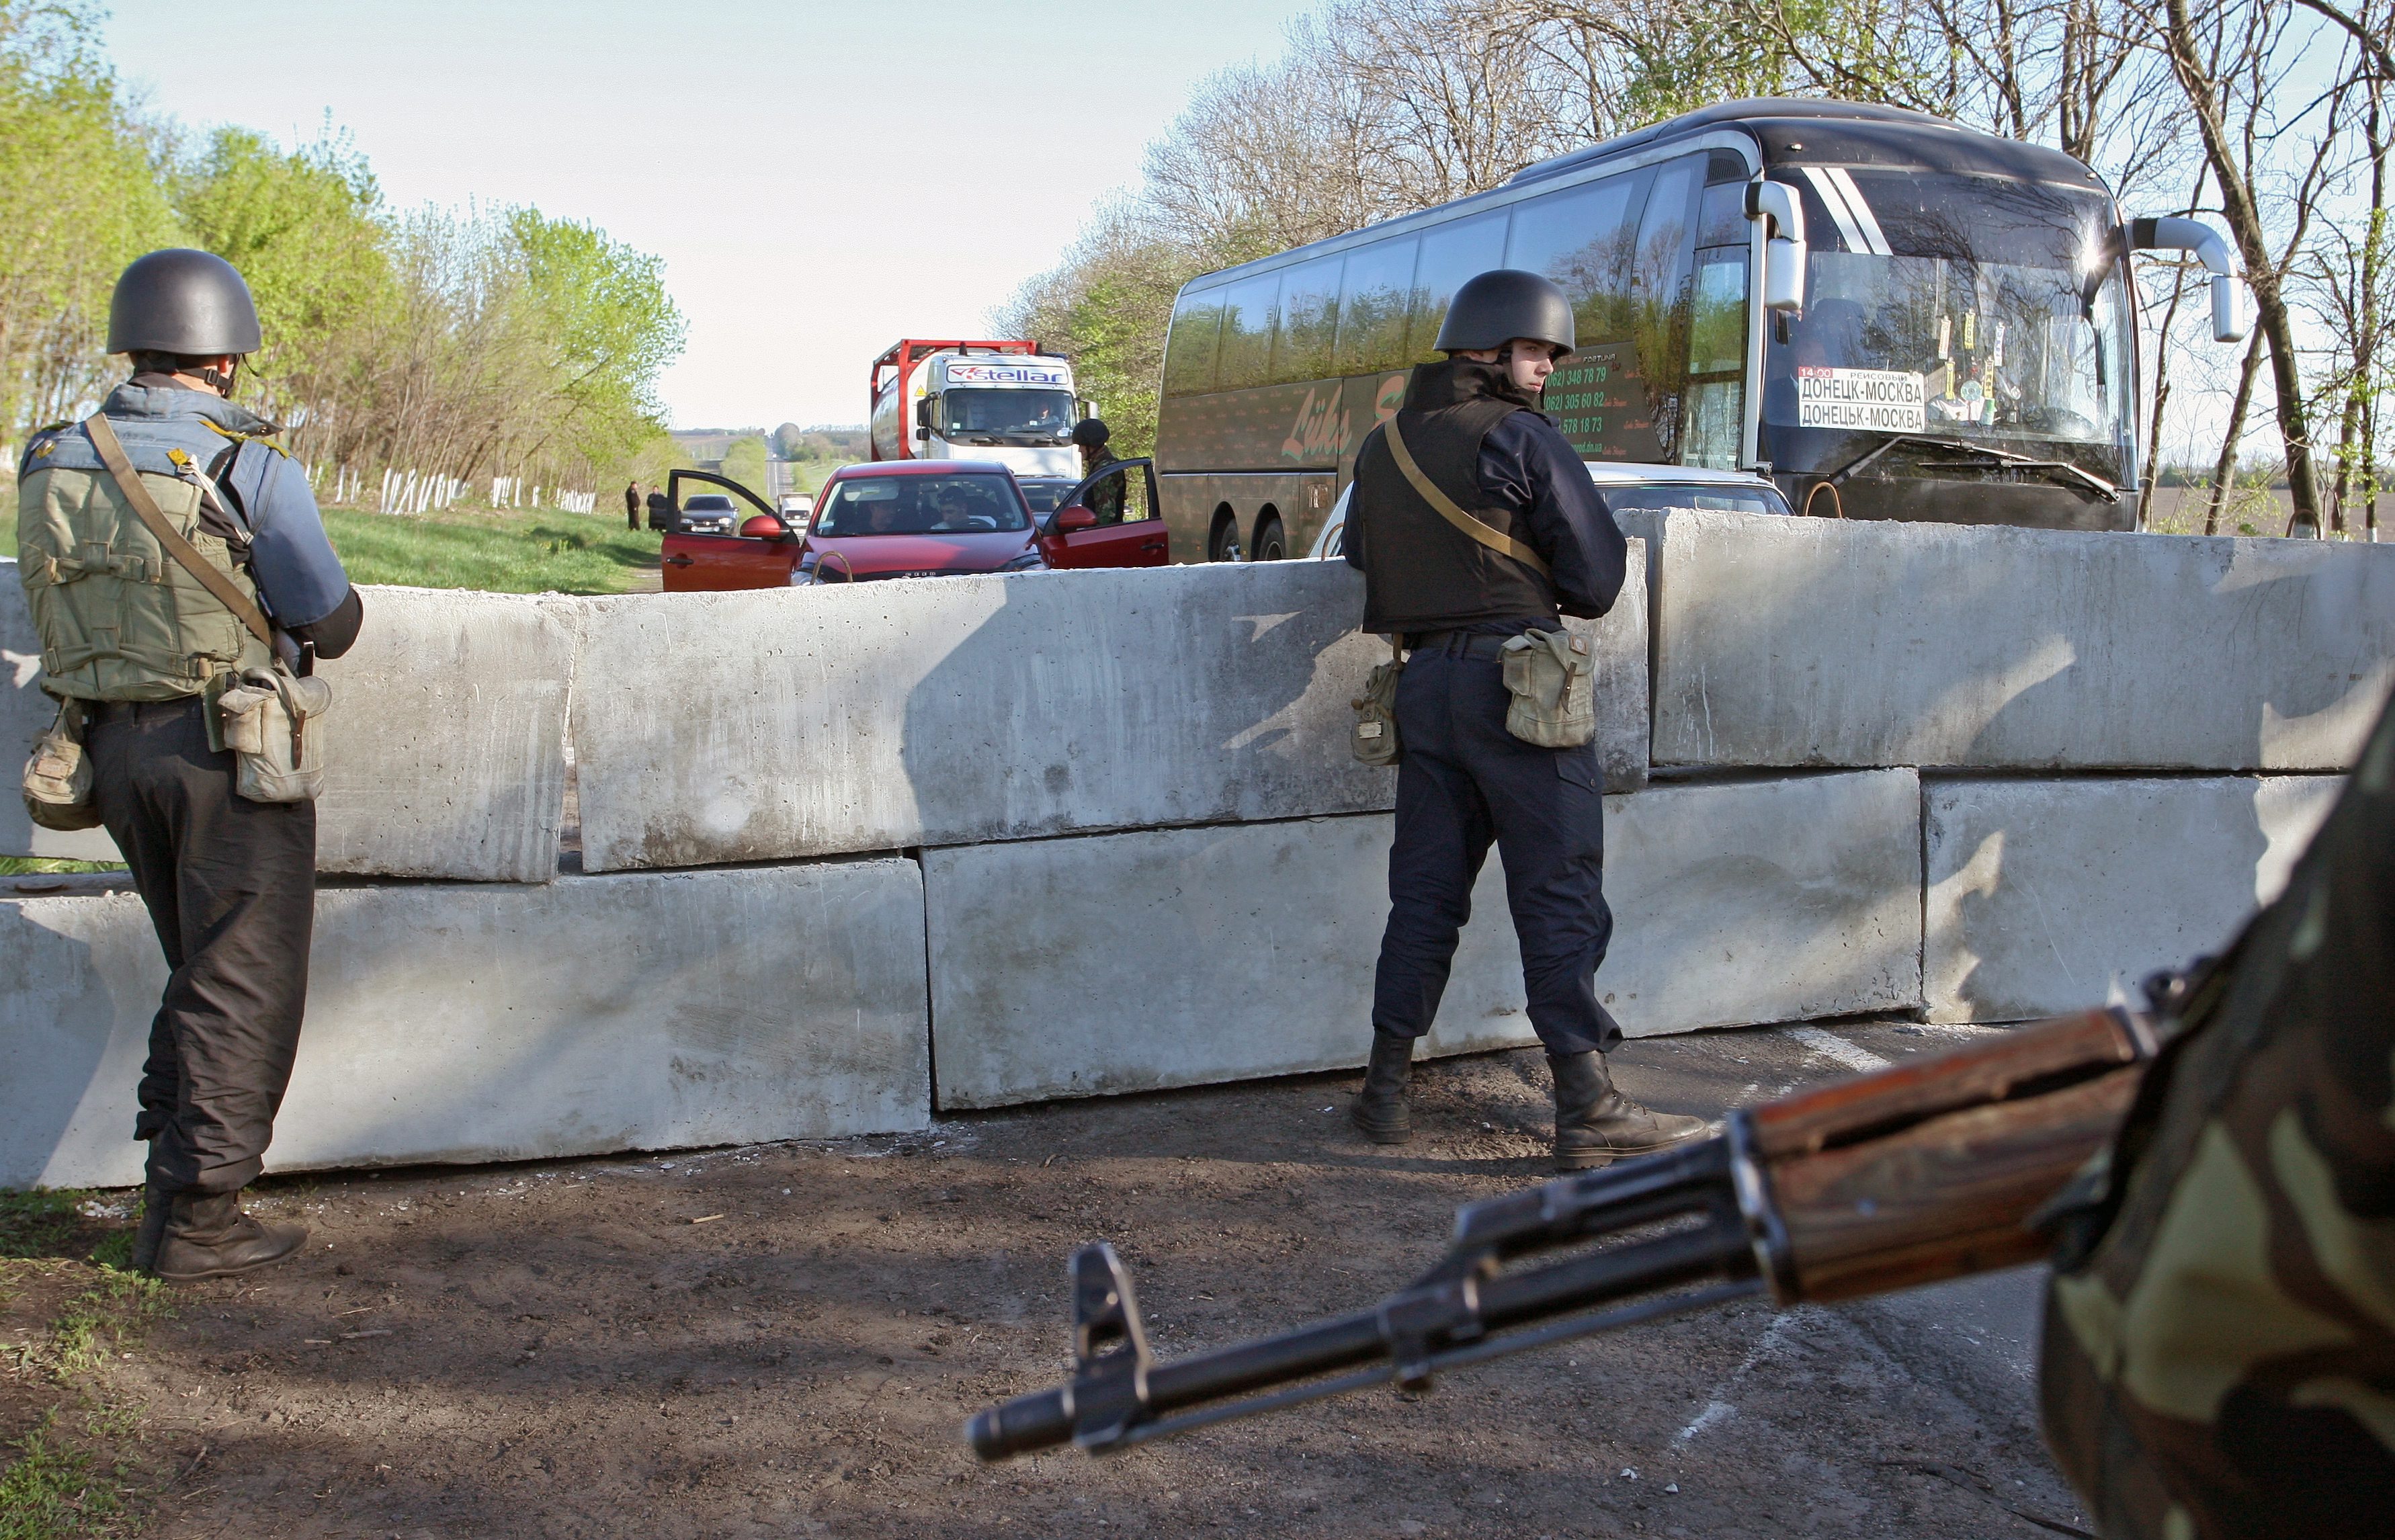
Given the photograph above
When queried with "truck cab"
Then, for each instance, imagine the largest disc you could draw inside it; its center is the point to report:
(1001, 400)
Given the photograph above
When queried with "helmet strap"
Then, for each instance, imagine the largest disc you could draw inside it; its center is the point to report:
(221, 379)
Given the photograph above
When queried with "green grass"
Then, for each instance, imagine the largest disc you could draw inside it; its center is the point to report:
(31, 867)
(67, 1474)
(507, 551)
(528, 551)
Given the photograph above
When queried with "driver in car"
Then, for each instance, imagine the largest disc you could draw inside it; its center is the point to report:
(955, 510)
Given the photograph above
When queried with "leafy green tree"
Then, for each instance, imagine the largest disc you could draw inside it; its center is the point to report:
(745, 463)
(80, 197)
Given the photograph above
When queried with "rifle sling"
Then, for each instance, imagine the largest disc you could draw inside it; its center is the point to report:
(1503, 545)
(128, 481)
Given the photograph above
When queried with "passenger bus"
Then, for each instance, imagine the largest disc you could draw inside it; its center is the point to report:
(1891, 316)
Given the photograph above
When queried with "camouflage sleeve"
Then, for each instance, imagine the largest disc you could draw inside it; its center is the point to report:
(2222, 1360)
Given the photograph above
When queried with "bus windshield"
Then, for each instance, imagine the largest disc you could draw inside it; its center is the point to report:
(1959, 306)
(994, 415)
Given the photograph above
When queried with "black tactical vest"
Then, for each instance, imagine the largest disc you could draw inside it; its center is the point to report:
(1421, 573)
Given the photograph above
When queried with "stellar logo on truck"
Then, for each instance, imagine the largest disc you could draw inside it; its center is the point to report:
(1005, 373)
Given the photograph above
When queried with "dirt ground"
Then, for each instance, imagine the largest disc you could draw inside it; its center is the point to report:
(787, 1339)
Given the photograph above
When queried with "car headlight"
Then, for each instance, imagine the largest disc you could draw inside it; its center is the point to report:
(1028, 561)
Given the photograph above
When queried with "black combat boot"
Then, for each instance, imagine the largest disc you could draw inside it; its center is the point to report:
(210, 1237)
(158, 1208)
(1596, 1124)
(1379, 1107)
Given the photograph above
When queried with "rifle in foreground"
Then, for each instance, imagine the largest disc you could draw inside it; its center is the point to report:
(1924, 1171)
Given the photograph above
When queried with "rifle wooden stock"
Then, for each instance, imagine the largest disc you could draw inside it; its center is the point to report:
(1924, 1171)
(1928, 1170)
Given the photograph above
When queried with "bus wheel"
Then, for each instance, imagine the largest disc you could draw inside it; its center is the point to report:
(1225, 546)
(1271, 545)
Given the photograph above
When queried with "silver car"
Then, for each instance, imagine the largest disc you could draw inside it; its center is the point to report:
(1640, 491)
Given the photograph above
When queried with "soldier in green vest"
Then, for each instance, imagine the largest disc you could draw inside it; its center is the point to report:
(140, 642)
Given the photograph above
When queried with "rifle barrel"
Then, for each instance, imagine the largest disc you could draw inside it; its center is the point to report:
(1714, 1249)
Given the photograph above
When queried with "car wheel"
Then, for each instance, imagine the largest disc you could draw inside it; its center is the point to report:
(1226, 544)
(1270, 544)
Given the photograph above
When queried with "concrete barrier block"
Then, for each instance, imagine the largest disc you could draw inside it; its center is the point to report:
(1135, 961)
(444, 749)
(2049, 896)
(715, 727)
(446, 741)
(1810, 641)
(482, 1022)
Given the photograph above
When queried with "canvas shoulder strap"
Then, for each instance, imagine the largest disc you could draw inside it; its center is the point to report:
(1503, 545)
(128, 481)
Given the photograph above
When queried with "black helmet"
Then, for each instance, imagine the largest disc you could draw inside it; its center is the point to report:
(1090, 432)
(1493, 309)
(182, 301)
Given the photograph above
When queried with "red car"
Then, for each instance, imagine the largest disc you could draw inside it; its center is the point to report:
(921, 519)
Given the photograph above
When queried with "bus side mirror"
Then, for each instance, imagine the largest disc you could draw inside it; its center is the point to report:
(1783, 248)
(2229, 322)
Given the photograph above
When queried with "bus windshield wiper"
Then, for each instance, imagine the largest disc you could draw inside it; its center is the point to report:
(1962, 453)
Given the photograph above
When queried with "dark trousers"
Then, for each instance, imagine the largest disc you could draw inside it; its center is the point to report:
(1464, 782)
(230, 888)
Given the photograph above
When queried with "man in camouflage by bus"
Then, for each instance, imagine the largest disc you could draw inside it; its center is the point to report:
(2219, 1344)
(168, 544)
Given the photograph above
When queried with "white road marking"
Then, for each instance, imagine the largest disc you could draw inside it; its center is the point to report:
(1829, 1045)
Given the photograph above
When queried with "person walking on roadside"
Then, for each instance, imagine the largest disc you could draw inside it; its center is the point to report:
(1473, 522)
(632, 507)
(141, 644)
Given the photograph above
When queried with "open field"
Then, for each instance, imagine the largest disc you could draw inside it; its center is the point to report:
(786, 1339)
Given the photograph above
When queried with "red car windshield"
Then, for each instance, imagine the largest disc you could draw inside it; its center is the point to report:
(921, 505)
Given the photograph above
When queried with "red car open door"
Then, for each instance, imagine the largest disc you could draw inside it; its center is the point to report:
(1111, 520)
(762, 555)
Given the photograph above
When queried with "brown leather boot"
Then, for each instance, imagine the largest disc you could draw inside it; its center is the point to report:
(158, 1208)
(1380, 1107)
(1596, 1124)
(209, 1236)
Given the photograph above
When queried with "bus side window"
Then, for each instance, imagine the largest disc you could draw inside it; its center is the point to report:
(1451, 253)
(1309, 315)
(1248, 309)
(1666, 243)
(1189, 348)
(1372, 308)
(1585, 238)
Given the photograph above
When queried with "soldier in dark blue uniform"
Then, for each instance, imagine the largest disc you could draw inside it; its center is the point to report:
(141, 646)
(1478, 452)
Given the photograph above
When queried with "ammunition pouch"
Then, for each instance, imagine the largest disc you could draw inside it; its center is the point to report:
(57, 776)
(264, 718)
(1373, 739)
(1552, 678)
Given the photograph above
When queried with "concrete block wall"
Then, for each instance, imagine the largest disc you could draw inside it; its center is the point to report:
(445, 751)
(2046, 896)
(1140, 855)
(772, 725)
(453, 1022)
(1168, 957)
(1812, 641)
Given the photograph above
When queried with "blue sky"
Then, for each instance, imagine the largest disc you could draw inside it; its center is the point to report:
(820, 180)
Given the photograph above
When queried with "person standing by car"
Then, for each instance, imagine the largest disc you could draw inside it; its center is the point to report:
(660, 512)
(633, 506)
(1478, 454)
(1105, 498)
(230, 883)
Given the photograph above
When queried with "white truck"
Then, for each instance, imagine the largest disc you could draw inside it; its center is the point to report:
(993, 401)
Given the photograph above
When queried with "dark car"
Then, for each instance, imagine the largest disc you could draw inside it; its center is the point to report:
(708, 513)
